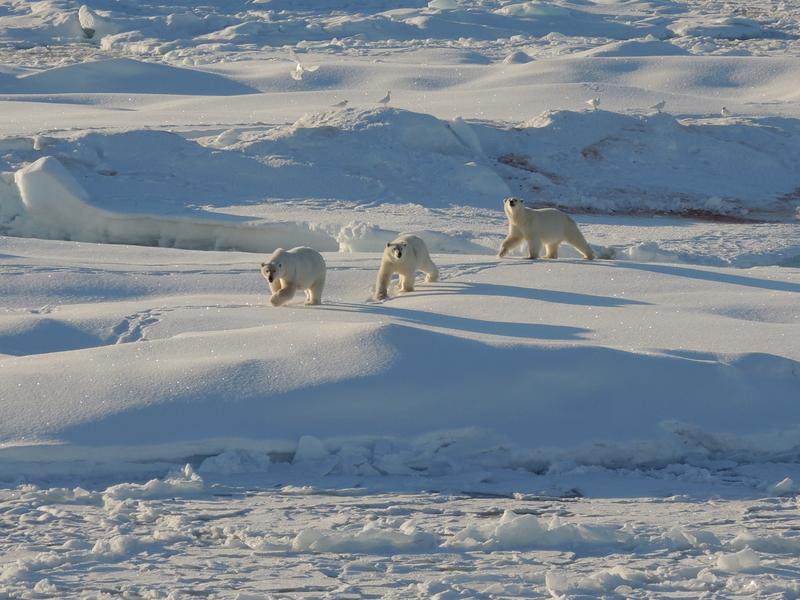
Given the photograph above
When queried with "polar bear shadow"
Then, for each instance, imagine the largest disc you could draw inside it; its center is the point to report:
(514, 329)
(526, 293)
(717, 277)
(543, 295)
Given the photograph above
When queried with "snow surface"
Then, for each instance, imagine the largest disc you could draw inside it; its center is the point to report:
(620, 428)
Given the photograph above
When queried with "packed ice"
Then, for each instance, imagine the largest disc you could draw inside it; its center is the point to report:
(623, 427)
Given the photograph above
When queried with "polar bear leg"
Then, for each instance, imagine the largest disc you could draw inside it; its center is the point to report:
(283, 295)
(407, 280)
(551, 250)
(575, 238)
(534, 247)
(382, 283)
(314, 293)
(513, 240)
(431, 273)
(430, 270)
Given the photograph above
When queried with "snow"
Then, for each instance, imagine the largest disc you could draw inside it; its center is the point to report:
(625, 427)
(739, 562)
(166, 341)
(518, 532)
(735, 170)
(124, 76)
(399, 543)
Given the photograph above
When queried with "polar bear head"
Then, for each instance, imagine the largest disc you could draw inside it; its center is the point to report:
(513, 206)
(396, 251)
(276, 267)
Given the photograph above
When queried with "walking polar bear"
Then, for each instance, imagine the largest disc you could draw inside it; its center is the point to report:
(546, 227)
(406, 255)
(288, 271)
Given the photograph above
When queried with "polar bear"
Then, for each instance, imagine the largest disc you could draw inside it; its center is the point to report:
(288, 271)
(539, 227)
(405, 255)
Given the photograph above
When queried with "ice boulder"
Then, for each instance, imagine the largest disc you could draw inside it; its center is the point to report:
(93, 25)
(739, 562)
(54, 201)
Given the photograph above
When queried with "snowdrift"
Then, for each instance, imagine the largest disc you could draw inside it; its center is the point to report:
(124, 76)
(55, 206)
(161, 355)
(613, 163)
(49, 203)
(630, 409)
(174, 28)
(158, 188)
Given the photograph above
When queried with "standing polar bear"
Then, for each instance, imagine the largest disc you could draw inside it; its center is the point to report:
(288, 271)
(546, 227)
(406, 255)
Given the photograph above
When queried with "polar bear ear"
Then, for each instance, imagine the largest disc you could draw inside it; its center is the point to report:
(388, 244)
(263, 265)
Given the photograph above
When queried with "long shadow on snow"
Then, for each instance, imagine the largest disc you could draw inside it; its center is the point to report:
(534, 397)
(555, 296)
(508, 329)
(767, 284)
(512, 291)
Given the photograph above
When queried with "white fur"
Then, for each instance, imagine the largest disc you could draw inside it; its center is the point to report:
(406, 255)
(542, 227)
(293, 270)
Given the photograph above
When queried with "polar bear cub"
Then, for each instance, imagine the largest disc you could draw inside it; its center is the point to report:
(539, 227)
(405, 255)
(288, 271)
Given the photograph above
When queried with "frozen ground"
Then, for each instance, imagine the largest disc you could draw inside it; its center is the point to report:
(226, 540)
(625, 428)
(364, 449)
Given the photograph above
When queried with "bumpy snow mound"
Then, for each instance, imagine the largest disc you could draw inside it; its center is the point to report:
(158, 188)
(46, 23)
(642, 47)
(519, 532)
(729, 28)
(123, 75)
(181, 28)
(371, 538)
(533, 9)
(579, 160)
(181, 483)
(382, 154)
(616, 163)
(248, 389)
(146, 171)
(358, 236)
(55, 206)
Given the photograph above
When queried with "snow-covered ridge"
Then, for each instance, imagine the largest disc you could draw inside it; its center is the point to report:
(194, 364)
(133, 187)
(123, 76)
(184, 32)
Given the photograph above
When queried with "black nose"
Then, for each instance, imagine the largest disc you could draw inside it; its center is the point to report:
(270, 277)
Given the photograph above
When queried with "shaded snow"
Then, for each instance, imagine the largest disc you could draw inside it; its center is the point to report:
(620, 428)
